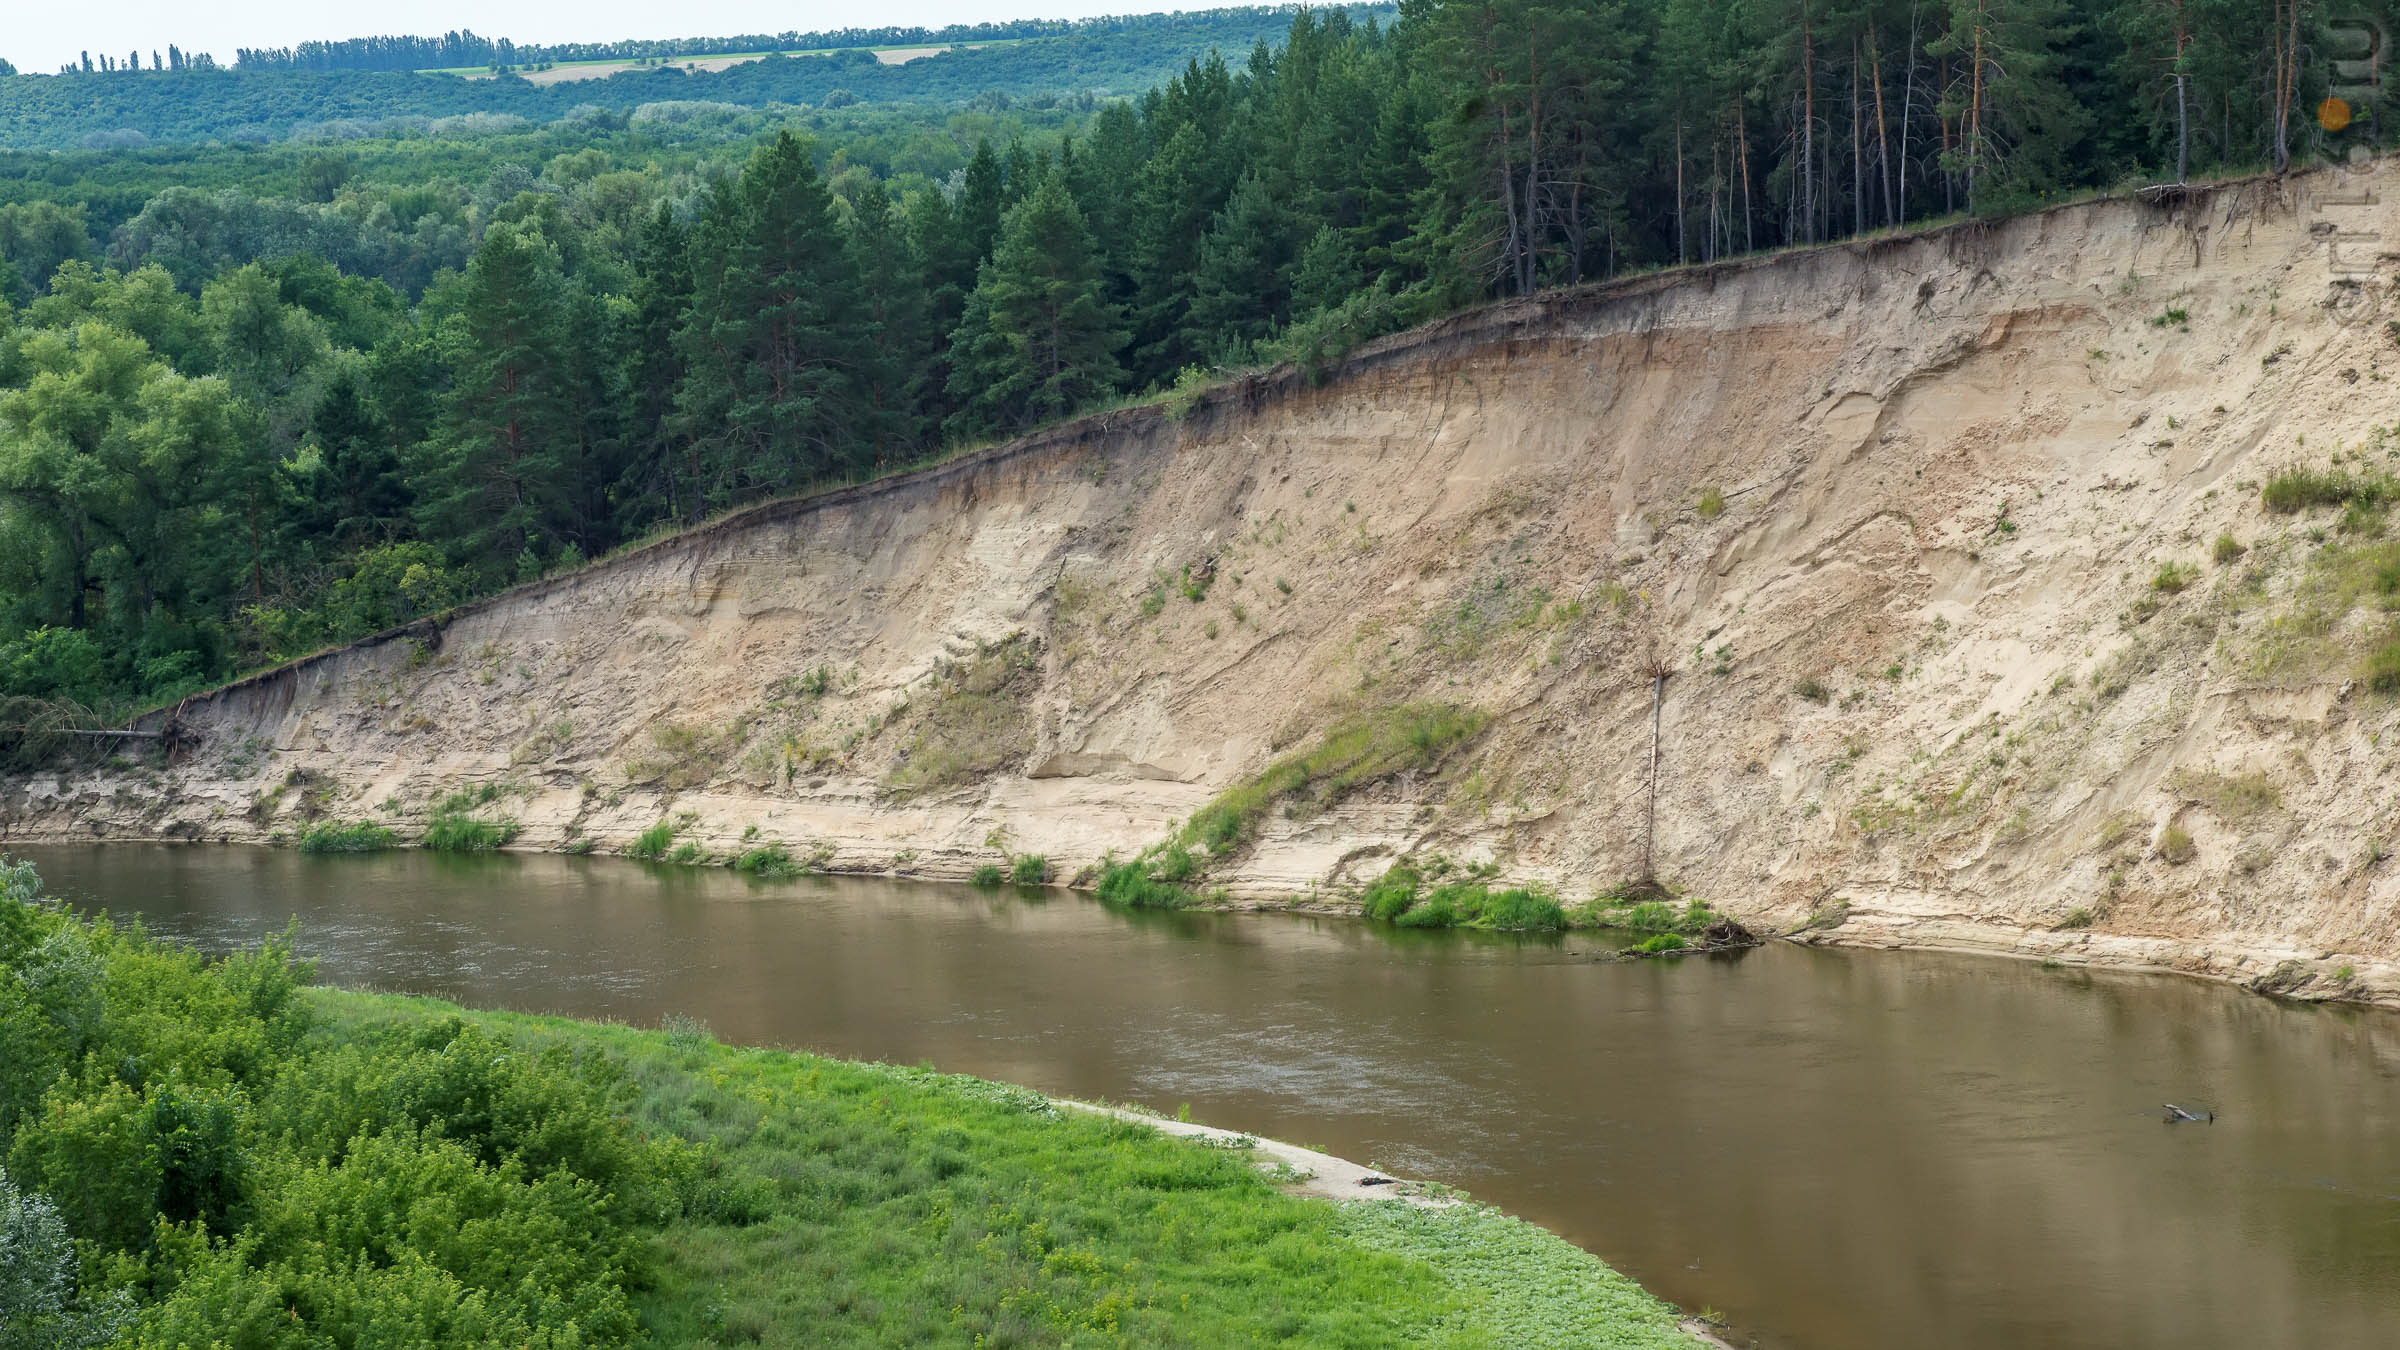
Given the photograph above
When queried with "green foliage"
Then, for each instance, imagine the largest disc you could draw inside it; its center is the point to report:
(768, 860)
(2172, 578)
(652, 843)
(2226, 550)
(458, 833)
(1438, 894)
(39, 1305)
(2176, 846)
(2297, 489)
(1661, 942)
(328, 836)
(1029, 869)
(1711, 504)
(2383, 666)
(989, 874)
(1355, 752)
(1147, 883)
(229, 1163)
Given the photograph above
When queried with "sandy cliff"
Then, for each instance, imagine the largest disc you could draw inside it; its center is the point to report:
(1891, 513)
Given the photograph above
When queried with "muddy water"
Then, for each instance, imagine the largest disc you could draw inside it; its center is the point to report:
(1836, 1151)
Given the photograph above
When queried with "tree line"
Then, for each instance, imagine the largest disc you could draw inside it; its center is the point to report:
(464, 48)
(220, 446)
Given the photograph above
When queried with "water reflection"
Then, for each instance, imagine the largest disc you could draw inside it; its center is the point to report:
(1836, 1150)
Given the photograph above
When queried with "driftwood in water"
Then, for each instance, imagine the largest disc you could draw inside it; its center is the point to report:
(2176, 1115)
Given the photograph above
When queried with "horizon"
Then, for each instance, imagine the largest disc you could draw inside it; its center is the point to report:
(43, 41)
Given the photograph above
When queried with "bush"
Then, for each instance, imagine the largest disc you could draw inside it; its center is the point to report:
(38, 1306)
(1661, 942)
(653, 842)
(2176, 846)
(466, 834)
(430, 1184)
(2226, 549)
(359, 837)
(1712, 503)
(1029, 869)
(989, 875)
(2172, 577)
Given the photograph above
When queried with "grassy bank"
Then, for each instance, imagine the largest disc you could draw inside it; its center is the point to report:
(246, 1160)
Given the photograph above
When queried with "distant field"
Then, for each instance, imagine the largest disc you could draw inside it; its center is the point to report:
(601, 70)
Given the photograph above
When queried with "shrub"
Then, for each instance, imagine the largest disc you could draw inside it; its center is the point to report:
(989, 875)
(653, 842)
(466, 834)
(1661, 942)
(1029, 869)
(2078, 917)
(360, 837)
(1712, 503)
(2176, 846)
(1812, 689)
(2172, 577)
(2226, 549)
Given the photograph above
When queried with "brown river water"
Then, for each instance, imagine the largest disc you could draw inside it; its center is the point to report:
(1832, 1150)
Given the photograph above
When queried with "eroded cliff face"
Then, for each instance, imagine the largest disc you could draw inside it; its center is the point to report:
(1890, 513)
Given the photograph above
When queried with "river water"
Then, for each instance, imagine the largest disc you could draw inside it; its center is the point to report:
(1832, 1150)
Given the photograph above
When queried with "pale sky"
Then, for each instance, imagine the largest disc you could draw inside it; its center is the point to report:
(42, 35)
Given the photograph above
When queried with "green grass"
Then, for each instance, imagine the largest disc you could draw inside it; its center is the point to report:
(989, 874)
(1029, 869)
(1359, 750)
(768, 860)
(332, 837)
(259, 1163)
(2297, 489)
(1403, 896)
(653, 842)
(838, 1204)
(455, 833)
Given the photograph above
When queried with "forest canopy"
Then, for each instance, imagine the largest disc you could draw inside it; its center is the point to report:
(255, 399)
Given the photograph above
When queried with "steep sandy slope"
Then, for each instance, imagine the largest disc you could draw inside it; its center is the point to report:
(1922, 687)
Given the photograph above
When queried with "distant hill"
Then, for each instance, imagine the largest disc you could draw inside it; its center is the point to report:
(264, 105)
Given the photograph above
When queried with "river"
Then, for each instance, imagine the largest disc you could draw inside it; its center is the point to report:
(1832, 1150)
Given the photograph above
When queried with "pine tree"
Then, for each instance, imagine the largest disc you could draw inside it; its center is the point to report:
(896, 361)
(499, 480)
(776, 334)
(1241, 286)
(1038, 340)
(981, 199)
(2014, 118)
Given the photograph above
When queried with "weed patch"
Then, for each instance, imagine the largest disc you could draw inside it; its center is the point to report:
(2298, 489)
(455, 833)
(1355, 753)
(2233, 797)
(974, 723)
(330, 837)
